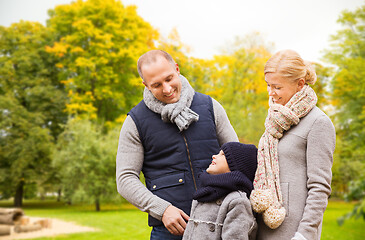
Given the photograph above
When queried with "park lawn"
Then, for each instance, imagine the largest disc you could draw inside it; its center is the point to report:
(123, 222)
(352, 229)
(126, 222)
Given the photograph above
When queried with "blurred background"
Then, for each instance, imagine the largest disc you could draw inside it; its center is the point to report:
(68, 78)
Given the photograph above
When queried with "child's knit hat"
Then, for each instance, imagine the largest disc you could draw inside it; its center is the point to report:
(241, 157)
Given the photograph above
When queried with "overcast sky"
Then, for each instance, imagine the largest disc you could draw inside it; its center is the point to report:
(208, 25)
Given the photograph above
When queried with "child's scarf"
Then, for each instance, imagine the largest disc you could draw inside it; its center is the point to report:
(214, 187)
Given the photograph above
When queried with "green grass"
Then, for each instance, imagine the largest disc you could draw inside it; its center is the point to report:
(352, 229)
(123, 222)
(126, 222)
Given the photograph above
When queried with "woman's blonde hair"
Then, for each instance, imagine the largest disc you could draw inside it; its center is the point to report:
(291, 66)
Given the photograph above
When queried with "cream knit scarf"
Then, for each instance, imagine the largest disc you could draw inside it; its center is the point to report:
(179, 112)
(266, 197)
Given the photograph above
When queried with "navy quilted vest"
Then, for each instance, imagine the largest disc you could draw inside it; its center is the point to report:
(173, 159)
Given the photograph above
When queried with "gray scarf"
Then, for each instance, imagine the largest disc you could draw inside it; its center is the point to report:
(179, 112)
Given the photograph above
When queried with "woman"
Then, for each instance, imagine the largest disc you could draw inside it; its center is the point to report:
(295, 154)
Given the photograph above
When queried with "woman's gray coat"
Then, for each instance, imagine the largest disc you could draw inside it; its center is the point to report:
(305, 160)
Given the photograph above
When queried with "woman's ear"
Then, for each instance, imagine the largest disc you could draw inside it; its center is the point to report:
(301, 83)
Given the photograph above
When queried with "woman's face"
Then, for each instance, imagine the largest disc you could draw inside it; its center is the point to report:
(219, 164)
(282, 89)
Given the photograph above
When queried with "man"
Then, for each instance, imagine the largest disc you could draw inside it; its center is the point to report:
(170, 136)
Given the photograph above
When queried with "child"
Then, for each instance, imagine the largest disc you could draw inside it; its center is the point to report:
(221, 208)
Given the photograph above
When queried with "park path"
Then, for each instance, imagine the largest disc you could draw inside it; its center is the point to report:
(58, 227)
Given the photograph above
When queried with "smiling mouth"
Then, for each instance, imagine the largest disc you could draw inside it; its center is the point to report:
(213, 163)
(169, 95)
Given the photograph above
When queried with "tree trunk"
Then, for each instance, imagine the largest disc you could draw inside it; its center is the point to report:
(97, 204)
(59, 195)
(18, 199)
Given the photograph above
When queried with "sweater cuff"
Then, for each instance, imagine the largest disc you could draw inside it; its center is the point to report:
(159, 209)
(298, 236)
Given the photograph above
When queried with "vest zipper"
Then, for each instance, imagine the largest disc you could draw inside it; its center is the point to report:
(191, 165)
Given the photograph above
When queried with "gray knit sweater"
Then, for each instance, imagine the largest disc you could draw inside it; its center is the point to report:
(130, 157)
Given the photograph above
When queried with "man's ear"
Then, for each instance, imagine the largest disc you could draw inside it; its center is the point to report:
(177, 68)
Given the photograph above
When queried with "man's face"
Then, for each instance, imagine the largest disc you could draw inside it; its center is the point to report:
(162, 79)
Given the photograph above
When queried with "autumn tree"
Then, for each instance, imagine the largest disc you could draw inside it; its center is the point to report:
(98, 43)
(238, 83)
(32, 107)
(347, 53)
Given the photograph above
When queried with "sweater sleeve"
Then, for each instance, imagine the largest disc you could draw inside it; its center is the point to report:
(320, 147)
(129, 162)
(239, 223)
(225, 131)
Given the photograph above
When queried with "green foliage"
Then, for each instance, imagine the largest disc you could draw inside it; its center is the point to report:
(27, 73)
(346, 168)
(24, 146)
(31, 107)
(348, 97)
(357, 191)
(98, 43)
(85, 158)
(348, 54)
(322, 85)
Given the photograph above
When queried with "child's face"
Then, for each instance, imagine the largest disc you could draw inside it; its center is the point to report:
(219, 164)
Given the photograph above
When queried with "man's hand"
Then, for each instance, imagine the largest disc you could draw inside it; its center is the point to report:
(174, 220)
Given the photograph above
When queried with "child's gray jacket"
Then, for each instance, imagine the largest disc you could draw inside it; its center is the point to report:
(227, 218)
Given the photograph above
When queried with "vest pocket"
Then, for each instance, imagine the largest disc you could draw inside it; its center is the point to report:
(167, 181)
